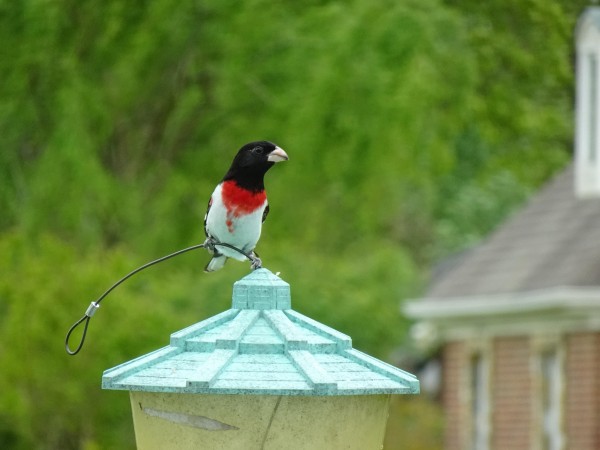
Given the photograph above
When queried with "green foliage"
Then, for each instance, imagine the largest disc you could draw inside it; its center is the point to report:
(413, 128)
(51, 400)
(522, 110)
(415, 423)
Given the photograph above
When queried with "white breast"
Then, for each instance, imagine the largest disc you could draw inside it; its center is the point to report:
(242, 232)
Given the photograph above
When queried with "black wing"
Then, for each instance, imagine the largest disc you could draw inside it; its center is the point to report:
(265, 213)
(206, 216)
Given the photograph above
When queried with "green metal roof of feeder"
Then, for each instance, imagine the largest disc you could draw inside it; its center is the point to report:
(260, 346)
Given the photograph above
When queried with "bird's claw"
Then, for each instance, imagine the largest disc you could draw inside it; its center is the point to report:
(209, 244)
(256, 262)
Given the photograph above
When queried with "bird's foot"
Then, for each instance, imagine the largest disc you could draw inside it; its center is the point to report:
(209, 244)
(255, 261)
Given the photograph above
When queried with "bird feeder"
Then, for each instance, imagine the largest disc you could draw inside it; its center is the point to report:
(259, 376)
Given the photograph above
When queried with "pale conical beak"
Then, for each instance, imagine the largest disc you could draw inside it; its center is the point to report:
(277, 155)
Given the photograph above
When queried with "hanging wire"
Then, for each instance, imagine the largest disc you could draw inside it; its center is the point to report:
(209, 243)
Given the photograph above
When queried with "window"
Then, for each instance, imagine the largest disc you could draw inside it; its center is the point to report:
(551, 400)
(480, 402)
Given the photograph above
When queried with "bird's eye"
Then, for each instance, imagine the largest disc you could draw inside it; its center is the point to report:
(258, 150)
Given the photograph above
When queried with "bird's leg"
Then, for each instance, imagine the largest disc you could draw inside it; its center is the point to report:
(256, 262)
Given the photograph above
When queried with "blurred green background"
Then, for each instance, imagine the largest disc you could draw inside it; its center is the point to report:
(413, 128)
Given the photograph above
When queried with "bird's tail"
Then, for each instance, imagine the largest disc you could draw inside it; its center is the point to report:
(216, 263)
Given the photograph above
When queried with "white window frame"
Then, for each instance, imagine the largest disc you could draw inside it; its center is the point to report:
(548, 359)
(480, 399)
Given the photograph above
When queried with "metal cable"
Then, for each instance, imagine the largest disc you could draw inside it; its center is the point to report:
(95, 305)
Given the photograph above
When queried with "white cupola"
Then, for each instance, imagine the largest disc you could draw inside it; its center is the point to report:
(587, 105)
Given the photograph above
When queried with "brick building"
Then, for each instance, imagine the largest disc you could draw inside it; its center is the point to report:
(517, 318)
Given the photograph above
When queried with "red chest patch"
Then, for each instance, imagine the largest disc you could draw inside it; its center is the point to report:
(239, 201)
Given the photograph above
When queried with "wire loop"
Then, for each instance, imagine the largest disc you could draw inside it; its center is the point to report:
(75, 325)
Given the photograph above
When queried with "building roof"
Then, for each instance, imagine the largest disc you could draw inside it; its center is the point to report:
(260, 346)
(554, 241)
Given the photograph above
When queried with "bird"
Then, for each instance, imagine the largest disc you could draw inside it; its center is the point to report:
(238, 206)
